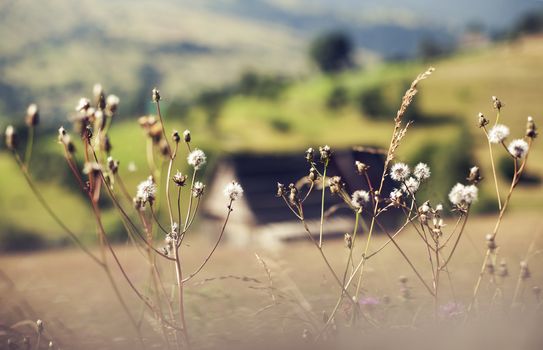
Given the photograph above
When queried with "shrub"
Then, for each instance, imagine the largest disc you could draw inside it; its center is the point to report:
(332, 52)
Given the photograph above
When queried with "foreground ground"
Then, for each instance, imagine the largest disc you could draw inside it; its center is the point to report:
(228, 302)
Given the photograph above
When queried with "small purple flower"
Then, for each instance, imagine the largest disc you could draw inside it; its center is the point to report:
(451, 310)
(369, 301)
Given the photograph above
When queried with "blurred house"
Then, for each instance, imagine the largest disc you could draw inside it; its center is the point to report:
(260, 215)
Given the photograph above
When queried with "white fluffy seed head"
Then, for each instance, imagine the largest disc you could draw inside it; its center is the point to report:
(518, 148)
(359, 199)
(147, 190)
(461, 194)
(196, 158)
(422, 171)
(498, 133)
(233, 191)
(399, 172)
(396, 194)
(411, 185)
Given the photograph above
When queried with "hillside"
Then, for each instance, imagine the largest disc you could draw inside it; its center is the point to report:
(52, 51)
(298, 118)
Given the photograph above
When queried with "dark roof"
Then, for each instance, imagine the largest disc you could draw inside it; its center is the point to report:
(259, 175)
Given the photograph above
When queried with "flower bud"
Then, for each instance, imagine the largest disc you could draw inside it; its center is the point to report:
(179, 179)
(531, 130)
(496, 103)
(186, 136)
(32, 115)
(361, 168)
(309, 154)
(482, 121)
(325, 153)
(175, 136)
(474, 175)
(155, 95)
(11, 137)
(280, 190)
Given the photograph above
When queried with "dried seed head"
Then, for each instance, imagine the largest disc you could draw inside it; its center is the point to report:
(198, 189)
(39, 326)
(361, 168)
(411, 186)
(461, 195)
(92, 168)
(490, 242)
(524, 270)
(335, 183)
(99, 98)
(531, 129)
(474, 176)
(482, 121)
(11, 137)
(147, 191)
(399, 172)
(280, 190)
(179, 179)
(233, 191)
(310, 154)
(496, 103)
(518, 148)
(112, 104)
(186, 136)
(32, 115)
(312, 175)
(439, 208)
(325, 153)
(83, 104)
(498, 133)
(175, 136)
(155, 95)
(113, 165)
(196, 158)
(293, 194)
(422, 171)
(489, 267)
(359, 199)
(348, 240)
(503, 271)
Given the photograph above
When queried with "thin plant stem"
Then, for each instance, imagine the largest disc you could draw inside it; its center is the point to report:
(29, 145)
(321, 227)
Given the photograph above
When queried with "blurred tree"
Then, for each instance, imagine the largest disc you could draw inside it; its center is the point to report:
(530, 23)
(332, 51)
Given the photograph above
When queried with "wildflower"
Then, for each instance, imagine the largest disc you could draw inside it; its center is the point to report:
(531, 130)
(518, 148)
(482, 121)
(498, 133)
(83, 104)
(179, 179)
(309, 154)
(411, 185)
(155, 95)
(361, 168)
(474, 176)
(461, 194)
(32, 115)
(399, 172)
(198, 189)
(233, 190)
(422, 171)
(11, 137)
(326, 153)
(147, 191)
(359, 198)
(196, 158)
(496, 103)
(186, 136)
(112, 103)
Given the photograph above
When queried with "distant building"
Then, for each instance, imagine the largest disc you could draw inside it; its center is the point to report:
(260, 215)
(473, 41)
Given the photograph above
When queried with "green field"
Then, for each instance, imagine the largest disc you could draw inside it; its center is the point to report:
(298, 118)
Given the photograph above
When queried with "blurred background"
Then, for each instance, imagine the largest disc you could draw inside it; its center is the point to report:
(266, 77)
